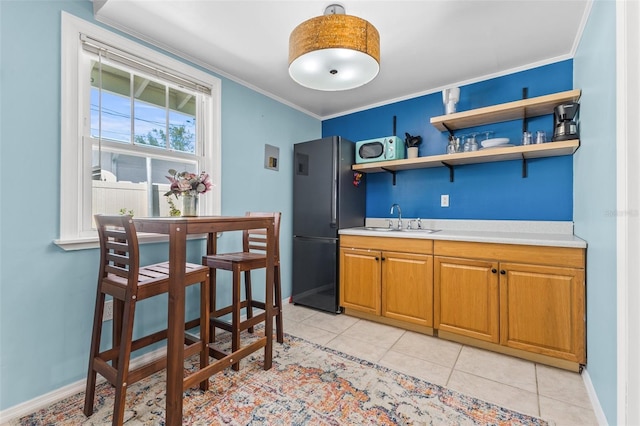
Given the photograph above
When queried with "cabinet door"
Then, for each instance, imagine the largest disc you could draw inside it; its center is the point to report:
(542, 310)
(407, 287)
(466, 297)
(360, 280)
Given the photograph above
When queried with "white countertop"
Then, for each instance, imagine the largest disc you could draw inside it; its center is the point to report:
(537, 233)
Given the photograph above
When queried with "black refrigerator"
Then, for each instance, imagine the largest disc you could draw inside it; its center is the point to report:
(327, 197)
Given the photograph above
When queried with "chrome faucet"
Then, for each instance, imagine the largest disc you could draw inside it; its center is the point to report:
(399, 214)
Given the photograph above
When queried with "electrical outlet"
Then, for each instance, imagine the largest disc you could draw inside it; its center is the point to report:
(107, 315)
(444, 200)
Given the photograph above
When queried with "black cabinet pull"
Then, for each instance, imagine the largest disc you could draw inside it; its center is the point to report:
(502, 271)
(384, 258)
(377, 258)
(494, 270)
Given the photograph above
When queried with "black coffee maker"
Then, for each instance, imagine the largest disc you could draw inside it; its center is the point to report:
(565, 126)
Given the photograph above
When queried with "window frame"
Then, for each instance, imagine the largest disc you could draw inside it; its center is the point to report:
(75, 99)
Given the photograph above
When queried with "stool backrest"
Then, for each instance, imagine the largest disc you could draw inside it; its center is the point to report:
(119, 253)
(255, 240)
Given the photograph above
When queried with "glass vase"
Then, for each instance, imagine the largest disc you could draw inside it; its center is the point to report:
(189, 205)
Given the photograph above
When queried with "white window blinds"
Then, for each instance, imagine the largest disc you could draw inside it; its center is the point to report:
(132, 61)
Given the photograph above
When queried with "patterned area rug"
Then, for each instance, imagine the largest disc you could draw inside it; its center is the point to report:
(307, 385)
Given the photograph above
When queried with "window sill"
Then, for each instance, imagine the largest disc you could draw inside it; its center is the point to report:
(93, 243)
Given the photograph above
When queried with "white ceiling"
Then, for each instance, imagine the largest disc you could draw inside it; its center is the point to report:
(425, 46)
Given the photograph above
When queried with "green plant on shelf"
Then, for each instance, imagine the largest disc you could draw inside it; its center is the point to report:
(124, 211)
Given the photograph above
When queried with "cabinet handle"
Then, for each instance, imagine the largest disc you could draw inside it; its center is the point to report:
(494, 270)
(384, 258)
(377, 258)
(502, 271)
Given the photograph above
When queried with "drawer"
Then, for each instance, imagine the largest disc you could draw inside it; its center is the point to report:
(406, 245)
(539, 255)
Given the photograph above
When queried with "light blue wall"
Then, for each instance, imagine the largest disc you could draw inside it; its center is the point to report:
(47, 294)
(595, 195)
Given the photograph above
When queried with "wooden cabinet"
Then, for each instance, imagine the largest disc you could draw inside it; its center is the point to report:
(525, 298)
(360, 280)
(526, 301)
(388, 277)
(407, 287)
(467, 297)
(542, 310)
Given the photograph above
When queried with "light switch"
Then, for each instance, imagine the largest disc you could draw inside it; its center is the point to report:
(444, 200)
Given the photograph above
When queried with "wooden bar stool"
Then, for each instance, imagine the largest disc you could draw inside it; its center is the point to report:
(122, 277)
(252, 256)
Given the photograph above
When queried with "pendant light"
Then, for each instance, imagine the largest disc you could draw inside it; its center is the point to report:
(334, 51)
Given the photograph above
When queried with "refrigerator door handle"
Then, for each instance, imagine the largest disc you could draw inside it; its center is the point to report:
(334, 190)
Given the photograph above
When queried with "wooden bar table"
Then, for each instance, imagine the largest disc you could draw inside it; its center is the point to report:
(178, 228)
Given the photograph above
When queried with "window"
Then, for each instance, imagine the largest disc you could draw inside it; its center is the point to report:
(129, 114)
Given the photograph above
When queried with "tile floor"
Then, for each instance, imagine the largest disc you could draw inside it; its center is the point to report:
(555, 395)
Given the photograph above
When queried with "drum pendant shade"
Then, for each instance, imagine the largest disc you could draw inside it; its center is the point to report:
(334, 51)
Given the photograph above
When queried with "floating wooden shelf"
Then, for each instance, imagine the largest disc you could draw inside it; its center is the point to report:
(524, 108)
(522, 152)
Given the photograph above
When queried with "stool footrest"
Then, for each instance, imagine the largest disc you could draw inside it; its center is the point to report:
(261, 305)
(228, 309)
(109, 373)
(226, 361)
(112, 353)
(105, 370)
(250, 322)
(247, 323)
(221, 324)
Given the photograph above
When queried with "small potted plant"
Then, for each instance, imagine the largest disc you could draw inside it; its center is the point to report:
(412, 143)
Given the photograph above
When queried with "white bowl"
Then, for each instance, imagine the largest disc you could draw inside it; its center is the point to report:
(494, 142)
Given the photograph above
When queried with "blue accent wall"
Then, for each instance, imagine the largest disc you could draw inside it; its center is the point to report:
(480, 191)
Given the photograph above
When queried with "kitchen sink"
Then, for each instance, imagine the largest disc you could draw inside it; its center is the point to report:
(386, 229)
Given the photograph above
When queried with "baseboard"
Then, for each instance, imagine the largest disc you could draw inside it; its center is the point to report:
(52, 397)
(593, 397)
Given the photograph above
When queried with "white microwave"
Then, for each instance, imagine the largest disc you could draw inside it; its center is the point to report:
(380, 149)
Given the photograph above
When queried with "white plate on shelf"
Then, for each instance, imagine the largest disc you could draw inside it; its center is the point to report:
(488, 143)
(498, 146)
